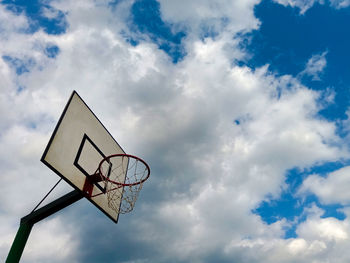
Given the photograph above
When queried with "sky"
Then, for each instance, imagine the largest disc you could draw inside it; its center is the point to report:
(240, 108)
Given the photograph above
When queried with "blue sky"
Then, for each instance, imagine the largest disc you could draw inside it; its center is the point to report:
(241, 108)
(288, 44)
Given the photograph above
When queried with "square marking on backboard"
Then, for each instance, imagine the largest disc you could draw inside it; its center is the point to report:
(88, 158)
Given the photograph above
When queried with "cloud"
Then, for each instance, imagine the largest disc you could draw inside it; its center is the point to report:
(315, 66)
(319, 239)
(306, 5)
(301, 4)
(340, 3)
(331, 189)
(11, 23)
(218, 19)
(324, 228)
(218, 137)
(196, 12)
(40, 246)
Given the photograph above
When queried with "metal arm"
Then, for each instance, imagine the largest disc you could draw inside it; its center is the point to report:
(28, 221)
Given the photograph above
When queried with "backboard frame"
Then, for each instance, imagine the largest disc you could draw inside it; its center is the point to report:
(86, 139)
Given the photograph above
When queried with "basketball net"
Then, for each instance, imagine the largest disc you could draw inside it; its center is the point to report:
(124, 176)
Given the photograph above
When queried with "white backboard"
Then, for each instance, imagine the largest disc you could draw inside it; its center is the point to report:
(77, 146)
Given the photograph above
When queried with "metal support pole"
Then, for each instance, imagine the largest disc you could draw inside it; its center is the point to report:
(28, 221)
(19, 243)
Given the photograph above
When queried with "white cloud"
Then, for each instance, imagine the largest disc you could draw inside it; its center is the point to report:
(325, 228)
(303, 5)
(51, 241)
(207, 172)
(340, 3)
(244, 163)
(315, 66)
(11, 23)
(50, 12)
(211, 15)
(331, 189)
(319, 240)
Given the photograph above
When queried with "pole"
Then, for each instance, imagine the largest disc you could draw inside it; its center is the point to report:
(19, 243)
(28, 221)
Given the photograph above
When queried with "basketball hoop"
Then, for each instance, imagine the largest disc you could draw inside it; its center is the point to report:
(123, 175)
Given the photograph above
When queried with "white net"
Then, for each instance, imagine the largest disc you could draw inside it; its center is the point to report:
(124, 176)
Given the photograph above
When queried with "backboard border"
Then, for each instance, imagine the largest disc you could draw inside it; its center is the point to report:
(52, 138)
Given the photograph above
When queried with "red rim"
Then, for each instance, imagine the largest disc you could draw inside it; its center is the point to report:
(124, 155)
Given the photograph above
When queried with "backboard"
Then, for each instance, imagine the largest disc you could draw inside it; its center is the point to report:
(77, 146)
